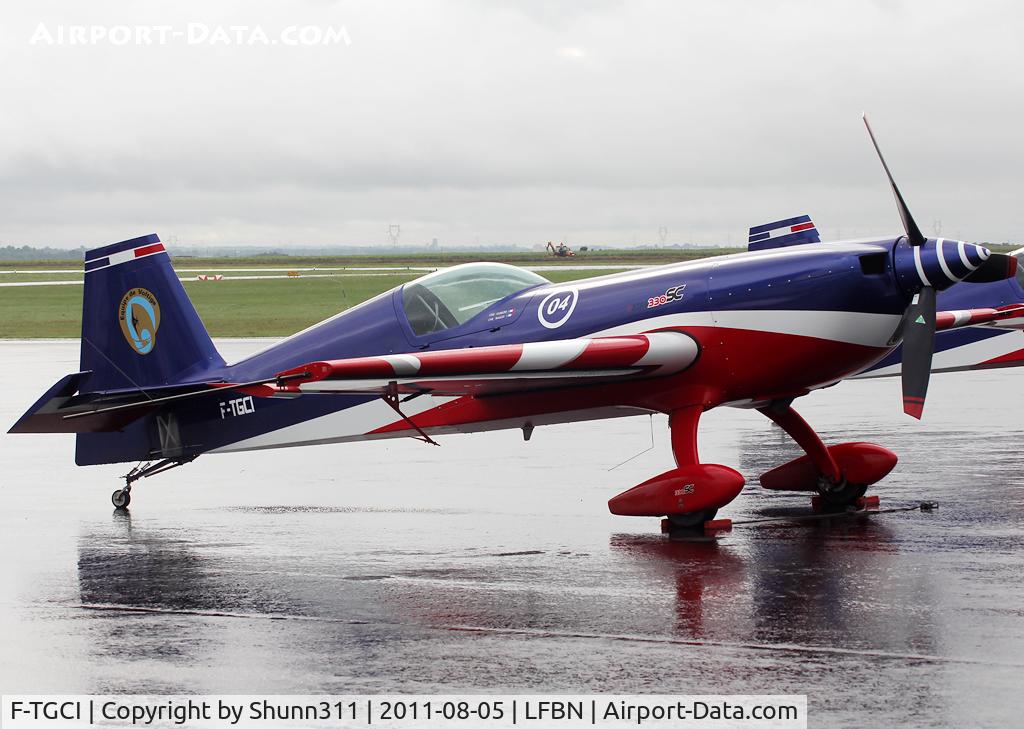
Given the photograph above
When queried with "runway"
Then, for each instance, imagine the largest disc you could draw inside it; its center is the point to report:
(493, 565)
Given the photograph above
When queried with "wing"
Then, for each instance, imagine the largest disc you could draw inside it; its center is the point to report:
(500, 369)
(1001, 317)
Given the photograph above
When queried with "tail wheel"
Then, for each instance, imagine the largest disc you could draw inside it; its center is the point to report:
(120, 499)
(692, 520)
(841, 494)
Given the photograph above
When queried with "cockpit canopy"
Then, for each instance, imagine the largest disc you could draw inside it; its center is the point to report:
(452, 296)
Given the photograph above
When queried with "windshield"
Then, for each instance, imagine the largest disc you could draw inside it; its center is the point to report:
(452, 296)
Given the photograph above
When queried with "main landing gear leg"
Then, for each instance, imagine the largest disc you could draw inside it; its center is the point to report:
(123, 496)
(689, 494)
(683, 428)
(840, 473)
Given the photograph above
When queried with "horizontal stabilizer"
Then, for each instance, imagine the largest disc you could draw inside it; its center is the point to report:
(500, 369)
(788, 232)
(61, 410)
(45, 415)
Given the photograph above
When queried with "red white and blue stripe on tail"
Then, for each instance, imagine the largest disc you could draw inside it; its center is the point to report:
(788, 232)
(122, 252)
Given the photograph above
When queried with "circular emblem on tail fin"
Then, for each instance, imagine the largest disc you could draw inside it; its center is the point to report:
(139, 316)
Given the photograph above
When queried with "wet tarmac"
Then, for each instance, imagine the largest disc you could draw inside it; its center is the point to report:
(492, 565)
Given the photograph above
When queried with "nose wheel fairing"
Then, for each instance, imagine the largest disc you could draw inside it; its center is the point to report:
(839, 473)
(858, 463)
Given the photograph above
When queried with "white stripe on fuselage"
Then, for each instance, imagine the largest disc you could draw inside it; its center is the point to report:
(293, 436)
(851, 327)
(348, 424)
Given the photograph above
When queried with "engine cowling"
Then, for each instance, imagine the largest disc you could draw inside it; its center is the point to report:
(682, 490)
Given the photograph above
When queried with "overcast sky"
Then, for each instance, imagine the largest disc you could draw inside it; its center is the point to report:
(509, 122)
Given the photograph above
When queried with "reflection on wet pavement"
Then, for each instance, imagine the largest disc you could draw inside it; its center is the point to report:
(493, 565)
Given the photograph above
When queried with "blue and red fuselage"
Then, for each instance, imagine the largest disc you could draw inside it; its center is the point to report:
(773, 324)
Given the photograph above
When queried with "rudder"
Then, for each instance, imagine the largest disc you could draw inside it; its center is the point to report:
(139, 328)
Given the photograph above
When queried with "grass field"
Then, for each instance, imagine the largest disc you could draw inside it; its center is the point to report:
(275, 307)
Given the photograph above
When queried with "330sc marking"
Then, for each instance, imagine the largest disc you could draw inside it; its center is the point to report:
(673, 294)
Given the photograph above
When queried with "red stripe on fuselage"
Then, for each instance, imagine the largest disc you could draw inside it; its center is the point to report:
(1005, 359)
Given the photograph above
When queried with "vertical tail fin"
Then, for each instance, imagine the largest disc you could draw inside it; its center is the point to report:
(788, 232)
(139, 328)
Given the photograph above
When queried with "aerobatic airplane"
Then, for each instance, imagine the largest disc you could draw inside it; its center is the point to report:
(485, 346)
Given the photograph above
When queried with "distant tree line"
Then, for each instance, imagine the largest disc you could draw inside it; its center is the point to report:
(30, 253)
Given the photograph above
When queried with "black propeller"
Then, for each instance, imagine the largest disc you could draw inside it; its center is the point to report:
(914, 236)
(919, 318)
(918, 344)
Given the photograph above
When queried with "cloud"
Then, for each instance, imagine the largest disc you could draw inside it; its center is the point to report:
(458, 121)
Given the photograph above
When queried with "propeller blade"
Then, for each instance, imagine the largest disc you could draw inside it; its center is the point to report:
(918, 344)
(914, 235)
(996, 268)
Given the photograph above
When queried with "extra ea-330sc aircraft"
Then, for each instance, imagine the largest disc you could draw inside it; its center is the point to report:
(485, 346)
